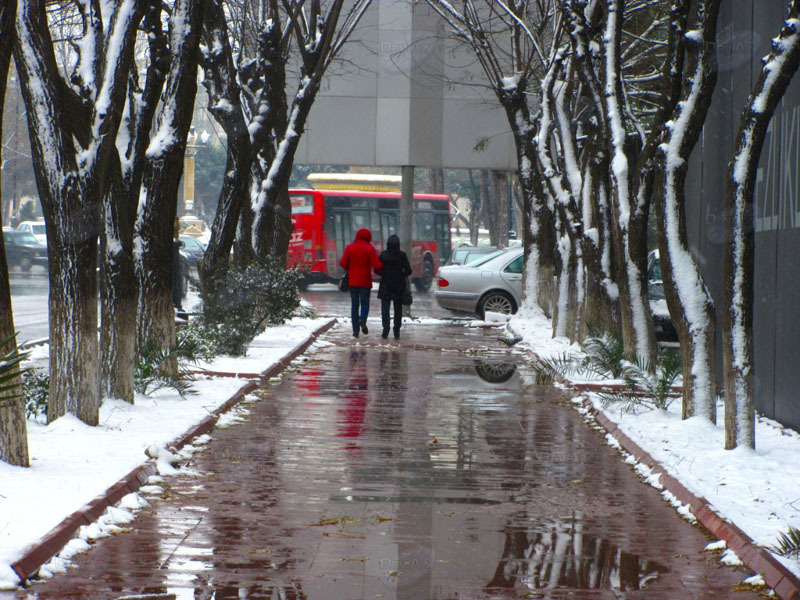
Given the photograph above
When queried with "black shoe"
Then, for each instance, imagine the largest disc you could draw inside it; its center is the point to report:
(364, 329)
(355, 334)
(397, 335)
(385, 334)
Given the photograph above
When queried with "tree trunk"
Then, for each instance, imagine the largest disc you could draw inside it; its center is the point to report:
(487, 206)
(436, 181)
(74, 365)
(738, 265)
(601, 311)
(630, 218)
(220, 82)
(273, 200)
(155, 227)
(71, 142)
(474, 211)
(119, 293)
(13, 426)
(688, 299)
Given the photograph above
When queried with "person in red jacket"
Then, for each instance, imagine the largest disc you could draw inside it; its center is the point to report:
(359, 260)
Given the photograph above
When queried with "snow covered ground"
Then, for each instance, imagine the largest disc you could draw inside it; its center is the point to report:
(72, 463)
(759, 490)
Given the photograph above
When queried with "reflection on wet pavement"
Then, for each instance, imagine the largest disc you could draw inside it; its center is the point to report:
(404, 471)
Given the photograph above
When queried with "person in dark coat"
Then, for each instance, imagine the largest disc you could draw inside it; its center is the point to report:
(359, 260)
(394, 274)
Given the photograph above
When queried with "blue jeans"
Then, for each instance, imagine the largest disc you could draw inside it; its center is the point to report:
(359, 295)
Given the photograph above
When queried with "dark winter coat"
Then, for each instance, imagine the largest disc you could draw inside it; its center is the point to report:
(396, 269)
(359, 259)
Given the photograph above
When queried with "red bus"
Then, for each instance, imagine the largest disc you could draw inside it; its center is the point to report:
(325, 221)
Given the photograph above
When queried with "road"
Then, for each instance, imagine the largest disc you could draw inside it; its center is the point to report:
(29, 303)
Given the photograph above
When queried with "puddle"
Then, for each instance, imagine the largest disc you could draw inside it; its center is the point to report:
(495, 372)
(567, 557)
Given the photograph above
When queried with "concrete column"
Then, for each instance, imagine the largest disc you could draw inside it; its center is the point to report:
(406, 216)
(406, 209)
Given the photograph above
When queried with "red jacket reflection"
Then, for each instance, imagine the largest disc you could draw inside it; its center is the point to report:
(360, 259)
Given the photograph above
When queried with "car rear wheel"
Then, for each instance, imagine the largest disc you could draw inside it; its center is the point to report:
(497, 301)
(25, 262)
(423, 284)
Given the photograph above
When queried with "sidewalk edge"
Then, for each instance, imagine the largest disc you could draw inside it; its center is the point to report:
(58, 537)
(776, 575)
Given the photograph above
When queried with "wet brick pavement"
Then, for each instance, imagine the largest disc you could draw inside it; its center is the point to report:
(421, 469)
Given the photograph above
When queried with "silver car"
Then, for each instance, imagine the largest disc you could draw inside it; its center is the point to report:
(489, 283)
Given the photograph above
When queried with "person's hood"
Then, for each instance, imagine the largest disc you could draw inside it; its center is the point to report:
(364, 234)
(393, 242)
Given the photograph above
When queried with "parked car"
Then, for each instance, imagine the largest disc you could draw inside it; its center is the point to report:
(464, 254)
(490, 283)
(192, 248)
(664, 328)
(36, 228)
(23, 250)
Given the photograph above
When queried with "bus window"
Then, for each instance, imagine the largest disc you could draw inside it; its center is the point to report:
(302, 204)
(375, 227)
(388, 224)
(359, 220)
(423, 226)
(443, 236)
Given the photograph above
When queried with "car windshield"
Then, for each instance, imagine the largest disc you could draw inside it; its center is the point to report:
(23, 237)
(479, 260)
(191, 242)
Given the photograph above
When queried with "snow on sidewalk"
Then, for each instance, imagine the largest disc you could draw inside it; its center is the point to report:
(759, 490)
(72, 463)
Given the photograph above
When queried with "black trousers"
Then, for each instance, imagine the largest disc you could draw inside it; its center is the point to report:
(398, 314)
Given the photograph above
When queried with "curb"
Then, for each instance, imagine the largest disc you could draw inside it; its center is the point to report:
(785, 583)
(58, 537)
(777, 576)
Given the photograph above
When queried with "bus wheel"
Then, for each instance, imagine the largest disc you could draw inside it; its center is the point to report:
(302, 285)
(423, 284)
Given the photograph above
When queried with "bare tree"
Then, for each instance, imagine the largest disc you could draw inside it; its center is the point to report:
(157, 210)
(119, 286)
(264, 122)
(693, 25)
(73, 119)
(507, 40)
(13, 428)
(737, 314)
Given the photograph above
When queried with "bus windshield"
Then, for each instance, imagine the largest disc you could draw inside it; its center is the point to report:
(302, 204)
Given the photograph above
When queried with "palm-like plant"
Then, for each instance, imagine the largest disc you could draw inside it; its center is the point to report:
(10, 373)
(789, 543)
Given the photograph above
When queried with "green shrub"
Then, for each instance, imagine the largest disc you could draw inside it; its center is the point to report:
(36, 391)
(240, 304)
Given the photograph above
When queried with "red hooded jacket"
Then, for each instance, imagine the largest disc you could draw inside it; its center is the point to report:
(359, 259)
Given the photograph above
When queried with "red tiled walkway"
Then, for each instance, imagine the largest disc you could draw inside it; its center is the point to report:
(404, 471)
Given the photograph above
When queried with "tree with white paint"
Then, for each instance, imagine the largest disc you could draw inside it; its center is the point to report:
(737, 306)
(693, 25)
(154, 230)
(73, 117)
(13, 427)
